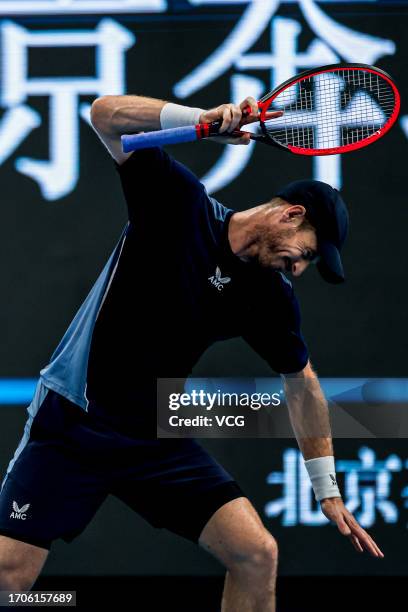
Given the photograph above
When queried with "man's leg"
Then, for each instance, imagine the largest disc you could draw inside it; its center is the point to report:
(236, 536)
(20, 564)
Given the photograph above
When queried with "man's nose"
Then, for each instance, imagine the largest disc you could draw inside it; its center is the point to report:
(299, 267)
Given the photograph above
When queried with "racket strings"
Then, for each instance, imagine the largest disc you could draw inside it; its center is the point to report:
(331, 110)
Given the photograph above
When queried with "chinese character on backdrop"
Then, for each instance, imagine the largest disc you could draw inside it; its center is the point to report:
(68, 7)
(366, 490)
(283, 59)
(58, 175)
(367, 485)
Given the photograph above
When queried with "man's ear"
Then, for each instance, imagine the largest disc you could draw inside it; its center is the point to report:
(294, 215)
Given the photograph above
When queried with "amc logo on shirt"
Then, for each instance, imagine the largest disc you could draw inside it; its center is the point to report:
(218, 281)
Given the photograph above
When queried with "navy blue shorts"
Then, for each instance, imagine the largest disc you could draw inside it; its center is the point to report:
(68, 462)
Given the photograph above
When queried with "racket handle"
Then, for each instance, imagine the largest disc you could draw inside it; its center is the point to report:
(133, 142)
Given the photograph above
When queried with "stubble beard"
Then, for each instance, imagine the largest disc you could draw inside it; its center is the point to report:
(268, 244)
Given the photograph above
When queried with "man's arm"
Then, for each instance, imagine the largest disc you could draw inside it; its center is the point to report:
(113, 116)
(309, 416)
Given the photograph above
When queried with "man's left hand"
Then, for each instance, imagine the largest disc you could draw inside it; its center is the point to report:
(335, 510)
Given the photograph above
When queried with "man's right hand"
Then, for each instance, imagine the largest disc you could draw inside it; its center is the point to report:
(233, 118)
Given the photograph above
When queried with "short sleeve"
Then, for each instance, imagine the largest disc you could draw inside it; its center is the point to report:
(154, 183)
(274, 328)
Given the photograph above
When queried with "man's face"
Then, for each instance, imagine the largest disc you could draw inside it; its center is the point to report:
(286, 249)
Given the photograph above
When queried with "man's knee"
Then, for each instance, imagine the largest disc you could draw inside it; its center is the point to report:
(20, 564)
(258, 562)
(15, 580)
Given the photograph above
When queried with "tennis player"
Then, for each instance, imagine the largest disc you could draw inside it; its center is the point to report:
(153, 311)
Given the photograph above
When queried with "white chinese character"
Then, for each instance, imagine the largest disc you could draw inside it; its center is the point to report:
(334, 42)
(64, 7)
(367, 486)
(297, 504)
(58, 176)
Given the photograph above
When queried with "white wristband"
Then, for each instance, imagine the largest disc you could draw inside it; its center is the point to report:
(175, 115)
(322, 473)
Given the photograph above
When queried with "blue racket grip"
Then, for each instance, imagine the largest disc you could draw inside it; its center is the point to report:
(133, 142)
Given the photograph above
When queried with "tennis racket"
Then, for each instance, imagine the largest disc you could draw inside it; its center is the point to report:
(327, 110)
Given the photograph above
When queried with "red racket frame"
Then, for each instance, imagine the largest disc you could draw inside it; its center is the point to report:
(265, 102)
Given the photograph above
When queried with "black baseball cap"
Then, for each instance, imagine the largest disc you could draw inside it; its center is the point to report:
(327, 212)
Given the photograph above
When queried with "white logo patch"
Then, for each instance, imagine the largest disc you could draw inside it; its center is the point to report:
(19, 513)
(217, 280)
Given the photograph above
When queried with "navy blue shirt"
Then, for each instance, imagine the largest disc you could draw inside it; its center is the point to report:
(178, 288)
